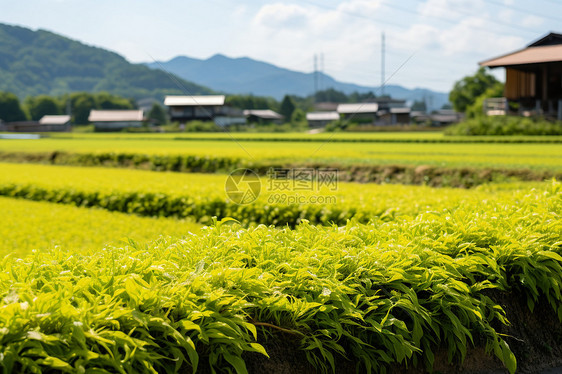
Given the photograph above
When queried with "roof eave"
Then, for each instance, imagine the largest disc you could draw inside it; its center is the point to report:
(486, 62)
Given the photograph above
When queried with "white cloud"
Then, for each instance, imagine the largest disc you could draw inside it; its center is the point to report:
(447, 37)
(532, 21)
(418, 36)
(344, 39)
(365, 8)
(281, 15)
(471, 34)
(450, 9)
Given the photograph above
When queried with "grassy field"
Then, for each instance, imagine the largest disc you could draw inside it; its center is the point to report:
(348, 278)
(426, 136)
(31, 225)
(202, 196)
(480, 155)
(366, 296)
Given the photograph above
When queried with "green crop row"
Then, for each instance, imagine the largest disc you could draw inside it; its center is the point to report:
(203, 196)
(436, 136)
(34, 225)
(375, 295)
(213, 155)
(182, 163)
(436, 176)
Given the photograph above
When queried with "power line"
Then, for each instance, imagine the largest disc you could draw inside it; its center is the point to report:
(352, 14)
(553, 2)
(526, 11)
(515, 27)
(496, 21)
(518, 28)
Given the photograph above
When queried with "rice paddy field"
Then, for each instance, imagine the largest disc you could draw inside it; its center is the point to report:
(385, 149)
(125, 253)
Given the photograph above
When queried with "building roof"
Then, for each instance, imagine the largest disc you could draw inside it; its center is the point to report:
(326, 106)
(530, 55)
(549, 39)
(204, 100)
(546, 49)
(444, 118)
(358, 108)
(418, 113)
(54, 120)
(400, 110)
(115, 115)
(263, 113)
(322, 116)
(387, 100)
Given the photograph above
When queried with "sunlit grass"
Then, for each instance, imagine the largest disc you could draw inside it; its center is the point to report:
(518, 155)
(30, 225)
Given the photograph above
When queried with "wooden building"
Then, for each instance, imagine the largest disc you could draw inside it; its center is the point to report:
(262, 116)
(359, 112)
(318, 120)
(55, 122)
(48, 123)
(533, 76)
(442, 117)
(115, 120)
(183, 109)
(382, 111)
(393, 116)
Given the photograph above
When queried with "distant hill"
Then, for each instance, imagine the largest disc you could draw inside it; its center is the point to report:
(245, 75)
(41, 62)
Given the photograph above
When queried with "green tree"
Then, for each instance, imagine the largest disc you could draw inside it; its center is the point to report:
(10, 109)
(477, 108)
(357, 97)
(82, 103)
(105, 100)
(251, 102)
(331, 96)
(287, 107)
(158, 114)
(466, 90)
(419, 106)
(298, 117)
(41, 105)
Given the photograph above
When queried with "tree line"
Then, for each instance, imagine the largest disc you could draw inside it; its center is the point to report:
(79, 105)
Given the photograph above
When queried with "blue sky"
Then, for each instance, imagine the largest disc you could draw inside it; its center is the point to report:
(429, 43)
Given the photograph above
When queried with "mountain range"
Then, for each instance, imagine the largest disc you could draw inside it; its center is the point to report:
(41, 62)
(247, 76)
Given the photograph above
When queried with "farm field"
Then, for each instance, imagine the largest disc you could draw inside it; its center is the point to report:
(32, 225)
(355, 297)
(536, 156)
(203, 196)
(348, 278)
(415, 137)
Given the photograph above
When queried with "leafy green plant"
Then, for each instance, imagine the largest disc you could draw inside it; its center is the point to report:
(505, 125)
(380, 294)
(202, 196)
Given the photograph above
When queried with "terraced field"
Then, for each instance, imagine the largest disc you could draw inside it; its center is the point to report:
(105, 269)
(203, 196)
(537, 156)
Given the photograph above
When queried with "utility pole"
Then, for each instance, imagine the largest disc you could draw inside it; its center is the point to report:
(321, 76)
(315, 76)
(382, 64)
